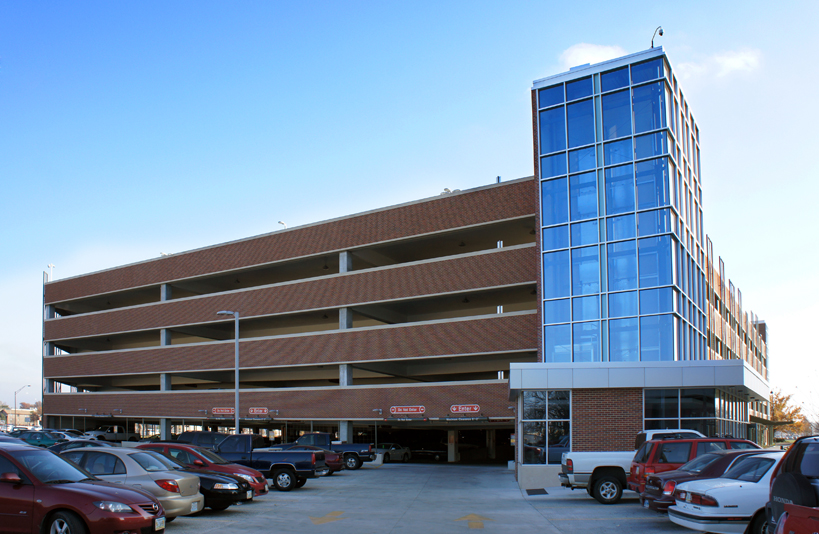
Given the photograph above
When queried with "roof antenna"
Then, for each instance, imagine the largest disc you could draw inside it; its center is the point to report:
(659, 29)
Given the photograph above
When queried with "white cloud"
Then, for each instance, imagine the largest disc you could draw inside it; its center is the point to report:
(721, 64)
(583, 53)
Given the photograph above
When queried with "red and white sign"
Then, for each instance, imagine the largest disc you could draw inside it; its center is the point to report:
(465, 408)
(222, 411)
(258, 411)
(396, 410)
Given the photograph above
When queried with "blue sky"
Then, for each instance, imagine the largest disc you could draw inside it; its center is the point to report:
(130, 129)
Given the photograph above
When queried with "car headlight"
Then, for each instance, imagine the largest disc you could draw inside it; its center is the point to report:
(112, 506)
(246, 477)
(230, 486)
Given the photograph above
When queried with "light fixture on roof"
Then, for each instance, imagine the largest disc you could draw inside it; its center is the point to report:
(660, 30)
(281, 223)
(446, 191)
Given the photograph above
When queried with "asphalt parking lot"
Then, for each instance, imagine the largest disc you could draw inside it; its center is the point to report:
(427, 498)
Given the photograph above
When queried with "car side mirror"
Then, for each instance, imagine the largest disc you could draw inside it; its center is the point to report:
(12, 478)
(199, 463)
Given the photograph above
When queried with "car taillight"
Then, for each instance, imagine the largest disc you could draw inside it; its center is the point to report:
(668, 489)
(648, 471)
(314, 458)
(168, 485)
(570, 465)
(695, 498)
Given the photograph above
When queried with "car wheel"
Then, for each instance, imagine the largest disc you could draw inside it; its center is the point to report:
(386, 457)
(352, 461)
(220, 507)
(607, 490)
(284, 479)
(66, 523)
(330, 473)
(405, 458)
(791, 488)
(759, 525)
(300, 482)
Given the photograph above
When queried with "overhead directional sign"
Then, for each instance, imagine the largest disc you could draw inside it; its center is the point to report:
(258, 411)
(395, 410)
(222, 411)
(465, 408)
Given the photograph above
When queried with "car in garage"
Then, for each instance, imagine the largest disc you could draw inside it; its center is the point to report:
(393, 452)
(42, 492)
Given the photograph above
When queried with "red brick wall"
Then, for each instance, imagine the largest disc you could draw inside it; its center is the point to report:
(501, 333)
(329, 403)
(505, 201)
(606, 419)
(497, 268)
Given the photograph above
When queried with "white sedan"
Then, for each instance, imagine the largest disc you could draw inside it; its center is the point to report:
(731, 504)
(393, 452)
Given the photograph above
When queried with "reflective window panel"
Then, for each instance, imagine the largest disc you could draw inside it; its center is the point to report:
(654, 222)
(534, 405)
(621, 227)
(585, 308)
(556, 272)
(656, 300)
(551, 166)
(652, 183)
(616, 115)
(584, 233)
(583, 196)
(550, 96)
(619, 189)
(581, 123)
(657, 338)
(578, 88)
(586, 342)
(554, 202)
(582, 160)
(534, 442)
(655, 261)
(649, 70)
(623, 304)
(555, 237)
(649, 107)
(662, 403)
(622, 265)
(623, 334)
(614, 79)
(556, 311)
(557, 343)
(617, 152)
(552, 130)
(646, 146)
(585, 271)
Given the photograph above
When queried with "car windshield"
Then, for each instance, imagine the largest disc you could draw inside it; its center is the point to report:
(750, 469)
(211, 456)
(152, 461)
(173, 463)
(701, 462)
(49, 468)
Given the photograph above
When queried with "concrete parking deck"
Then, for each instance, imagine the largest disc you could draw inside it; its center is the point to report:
(426, 498)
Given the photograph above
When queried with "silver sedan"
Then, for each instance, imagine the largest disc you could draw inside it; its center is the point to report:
(394, 452)
(178, 492)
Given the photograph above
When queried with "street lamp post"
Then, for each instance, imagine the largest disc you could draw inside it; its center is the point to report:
(15, 402)
(235, 364)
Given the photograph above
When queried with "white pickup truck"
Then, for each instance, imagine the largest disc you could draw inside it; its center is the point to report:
(604, 474)
(112, 433)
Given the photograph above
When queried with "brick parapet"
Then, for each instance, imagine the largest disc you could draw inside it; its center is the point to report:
(493, 334)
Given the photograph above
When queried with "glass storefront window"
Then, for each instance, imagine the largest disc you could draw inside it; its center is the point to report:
(545, 429)
(534, 443)
(554, 202)
(662, 403)
(698, 402)
(616, 115)
(552, 130)
(534, 405)
(559, 403)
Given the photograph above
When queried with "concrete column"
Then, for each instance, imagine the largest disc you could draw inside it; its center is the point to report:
(452, 446)
(345, 318)
(50, 311)
(49, 386)
(345, 375)
(345, 431)
(345, 262)
(165, 382)
(165, 292)
(491, 443)
(165, 429)
(49, 349)
(164, 337)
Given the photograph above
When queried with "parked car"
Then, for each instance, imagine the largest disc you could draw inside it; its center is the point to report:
(659, 492)
(113, 433)
(734, 502)
(78, 444)
(42, 492)
(197, 457)
(353, 453)
(153, 438)
(220, 490)
(604, 474)
(393, 451)
(334, 461)
(41, 439)
(432, 451)
(178, 492)
(794, 488)
(6, 440)
(203, 438)
(288, 469)
(667, 454)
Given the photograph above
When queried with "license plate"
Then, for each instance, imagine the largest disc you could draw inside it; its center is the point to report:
(159, 523)
(194, 506)
(250, 494)
(645, 503)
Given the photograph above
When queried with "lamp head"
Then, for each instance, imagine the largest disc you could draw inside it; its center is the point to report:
(225, 312)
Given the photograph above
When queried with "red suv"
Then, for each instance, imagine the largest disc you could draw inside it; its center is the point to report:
(42, 492)
(201, 458)
(660, 455)
(794, 492)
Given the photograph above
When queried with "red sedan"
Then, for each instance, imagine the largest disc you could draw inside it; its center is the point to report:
(201, 458)
(42, 492)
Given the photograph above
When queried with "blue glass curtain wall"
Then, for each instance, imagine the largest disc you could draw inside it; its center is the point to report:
(620, 216)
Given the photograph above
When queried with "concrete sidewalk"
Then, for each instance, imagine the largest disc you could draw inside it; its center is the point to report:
(425, 498)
